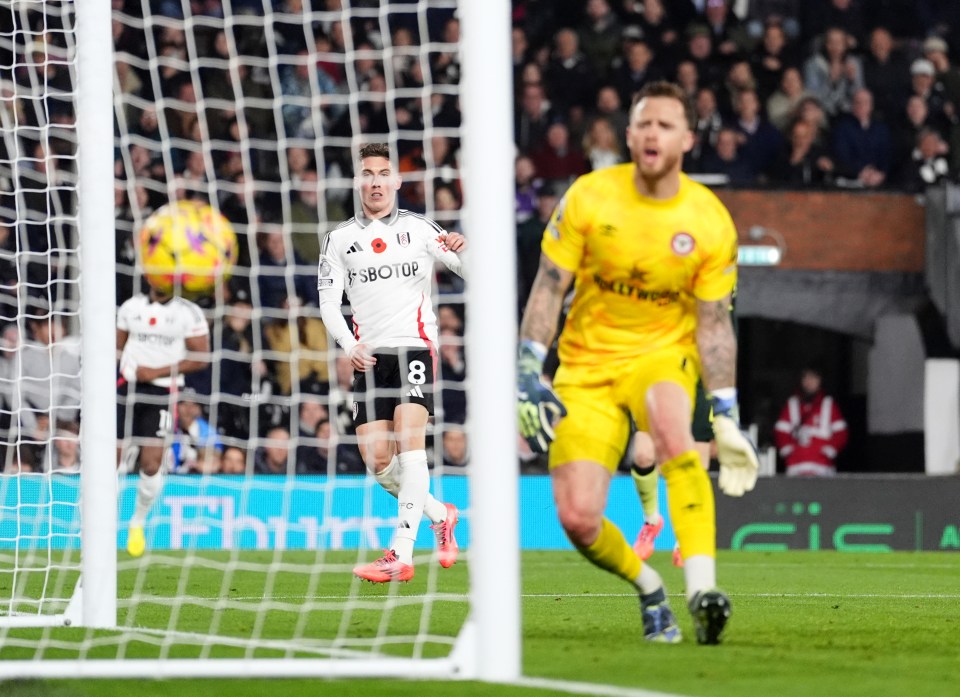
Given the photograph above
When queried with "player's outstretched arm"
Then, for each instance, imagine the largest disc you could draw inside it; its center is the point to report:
(717, 344)
(538, 407)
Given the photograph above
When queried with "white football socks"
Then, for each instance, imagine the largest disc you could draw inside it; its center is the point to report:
(414, 478)
(700, 573)
(389, 479)
(148, 489)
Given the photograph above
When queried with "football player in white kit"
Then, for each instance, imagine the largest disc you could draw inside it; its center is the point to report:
(159, 338)
(383, 258)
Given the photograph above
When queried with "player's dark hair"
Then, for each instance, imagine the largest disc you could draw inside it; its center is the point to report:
(375, 150)
(663, 88)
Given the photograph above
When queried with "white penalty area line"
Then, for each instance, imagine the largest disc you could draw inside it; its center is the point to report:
(587, 688)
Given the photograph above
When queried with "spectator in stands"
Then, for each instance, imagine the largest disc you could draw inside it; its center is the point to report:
(47, 371)
(600, 36)
(770, 58)
(9, 347)
(340, 398)
(636, 69)
(305, 214)
(241, 369)
(739, 77)
(862, 147)
(559, 159)
(453, 370)
(783, 104)
(63, 455)
(659, 23)
(762, 13)
(309, 415)
(299, 341)
(834, 73)
(196, 446)
(519, 51)
(819, 15)
(688, 78)
(446, 206)
(532, 118)
(729, 36)
(601, 145)
(445, 64)
(233, 461)
(812, 112)
(527, 184)
(886, 74)
(706, 130)
(699, 49)
(802, 161)
(273, 457)
(279, 279)
(941, 114)
(811, 430)
(906, 131)
(760, 141)
(455, 452)
(937, 52)
(570, 79)
(449, 317)
(928, 163)
(610, 107)
(726, 159)
(529, 236)
(298, 88)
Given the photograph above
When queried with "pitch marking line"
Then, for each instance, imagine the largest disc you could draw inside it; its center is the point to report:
(446, 597)
(586, 688)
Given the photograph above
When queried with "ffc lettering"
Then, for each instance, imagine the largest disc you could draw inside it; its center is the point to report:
(369, 274)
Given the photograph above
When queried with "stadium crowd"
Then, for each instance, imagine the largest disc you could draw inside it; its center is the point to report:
(258, 115)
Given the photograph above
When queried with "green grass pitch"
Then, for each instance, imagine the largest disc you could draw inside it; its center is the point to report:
(804, 623)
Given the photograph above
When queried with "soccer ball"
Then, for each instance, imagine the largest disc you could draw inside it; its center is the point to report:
(187, 246)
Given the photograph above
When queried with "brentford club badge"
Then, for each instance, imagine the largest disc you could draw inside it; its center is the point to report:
(682, 244)
(403, 238)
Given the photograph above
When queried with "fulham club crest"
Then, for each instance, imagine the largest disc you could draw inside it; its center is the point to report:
(682, 244)
(403, 238)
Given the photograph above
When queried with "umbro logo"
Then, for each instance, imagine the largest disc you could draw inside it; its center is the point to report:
(355, 247)
(415, 392)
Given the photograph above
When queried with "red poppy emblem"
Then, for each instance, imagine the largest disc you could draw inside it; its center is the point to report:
(153, 321)
(379, 246)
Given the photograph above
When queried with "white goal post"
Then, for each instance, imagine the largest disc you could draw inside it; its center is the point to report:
(488, 646)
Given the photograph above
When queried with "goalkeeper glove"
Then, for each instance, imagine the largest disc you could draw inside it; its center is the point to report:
(737, 455)
(538, 407)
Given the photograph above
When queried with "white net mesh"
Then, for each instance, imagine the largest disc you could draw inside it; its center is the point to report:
(39, 349)
(256, 108)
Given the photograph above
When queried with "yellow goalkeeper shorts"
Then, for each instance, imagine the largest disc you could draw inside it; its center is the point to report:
(600, 401)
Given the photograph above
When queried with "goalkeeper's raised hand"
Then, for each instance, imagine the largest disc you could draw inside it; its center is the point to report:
(737, 455)
(538, 407)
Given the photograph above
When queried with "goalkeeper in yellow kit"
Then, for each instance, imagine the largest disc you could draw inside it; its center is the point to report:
(653, 255)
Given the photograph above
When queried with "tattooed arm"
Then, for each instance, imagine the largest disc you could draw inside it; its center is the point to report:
(717, 344)
(542, 313)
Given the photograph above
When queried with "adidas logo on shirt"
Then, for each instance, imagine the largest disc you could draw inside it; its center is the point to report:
(355, 247)
(415, 392)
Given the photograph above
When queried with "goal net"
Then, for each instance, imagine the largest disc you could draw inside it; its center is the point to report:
(257, 108)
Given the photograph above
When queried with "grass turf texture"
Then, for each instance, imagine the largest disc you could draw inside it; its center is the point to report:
(804, 623)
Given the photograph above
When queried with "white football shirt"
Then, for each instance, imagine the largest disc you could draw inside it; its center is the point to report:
(386, 268)
(157, 332)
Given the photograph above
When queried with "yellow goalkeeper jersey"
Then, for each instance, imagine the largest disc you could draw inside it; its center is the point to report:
(640, 264)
